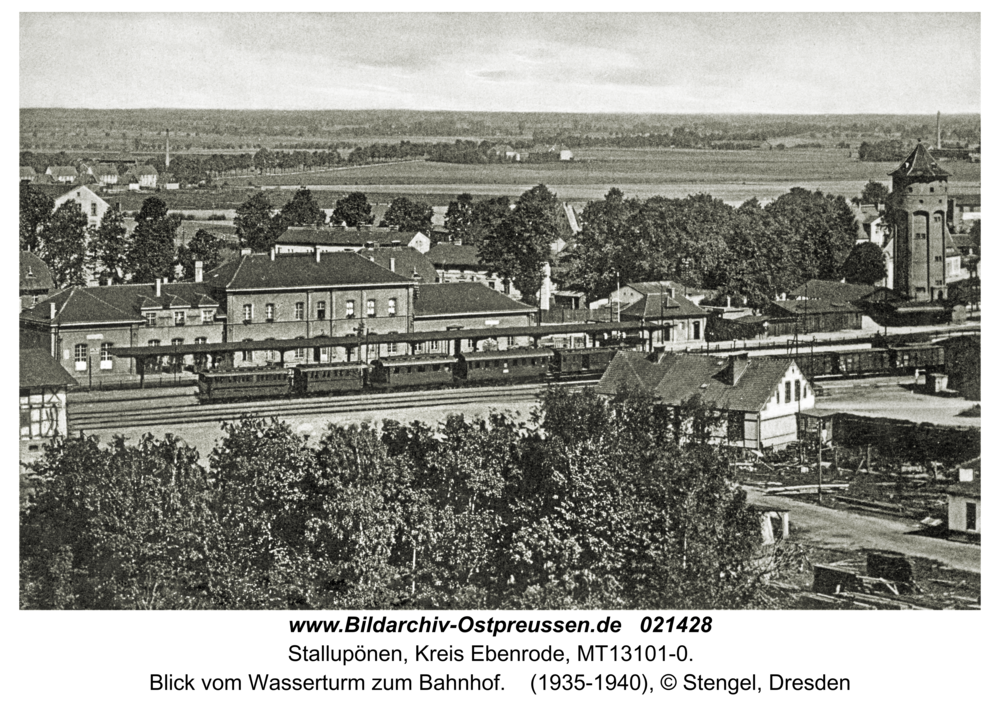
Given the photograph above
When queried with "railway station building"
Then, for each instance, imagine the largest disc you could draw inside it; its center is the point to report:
(79, 326)
(758, 398)
(682, 320)
(469, 306)
(307, 295)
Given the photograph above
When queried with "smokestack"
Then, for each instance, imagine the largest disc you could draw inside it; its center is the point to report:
(158, 288)
(199, 271)
(939, 129)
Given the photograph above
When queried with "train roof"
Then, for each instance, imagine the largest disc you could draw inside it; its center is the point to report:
(332, 365)
(414, 359)
(508, 354)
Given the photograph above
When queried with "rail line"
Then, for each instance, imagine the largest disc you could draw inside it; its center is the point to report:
(83, 421)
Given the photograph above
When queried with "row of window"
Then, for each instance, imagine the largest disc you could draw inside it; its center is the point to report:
(299, 310)
(788, 392)
(180, 318)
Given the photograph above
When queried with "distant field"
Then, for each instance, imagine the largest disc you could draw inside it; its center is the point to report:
(729, 175)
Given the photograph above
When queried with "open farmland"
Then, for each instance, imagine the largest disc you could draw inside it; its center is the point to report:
(733, 176)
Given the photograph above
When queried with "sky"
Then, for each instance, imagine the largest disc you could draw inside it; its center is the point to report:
(622, 62)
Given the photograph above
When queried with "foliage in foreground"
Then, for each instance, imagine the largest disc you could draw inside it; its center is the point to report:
(591, 504)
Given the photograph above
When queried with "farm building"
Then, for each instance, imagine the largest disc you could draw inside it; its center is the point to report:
(105, 174)
(760, 397)
(144, 176)
(62, 173)
(28, 173)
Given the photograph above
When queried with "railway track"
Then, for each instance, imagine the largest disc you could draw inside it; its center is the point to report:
(111, 415)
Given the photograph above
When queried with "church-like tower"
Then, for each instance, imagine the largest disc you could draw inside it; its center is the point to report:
(918, 207)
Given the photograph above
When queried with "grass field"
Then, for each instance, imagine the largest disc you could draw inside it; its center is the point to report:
(733, 176)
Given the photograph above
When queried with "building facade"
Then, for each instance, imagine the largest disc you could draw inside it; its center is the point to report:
(43, 385)
(90, 203)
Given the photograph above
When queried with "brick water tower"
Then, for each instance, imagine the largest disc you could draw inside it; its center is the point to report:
(918, 206)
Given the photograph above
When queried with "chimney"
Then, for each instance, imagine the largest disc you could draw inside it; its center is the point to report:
(158, 287)
(392, 264)
(738, 364)
(672, 292)
(729, 302)
(318, 252)
(52, 311)
(199, 271)
(416, 285)
(272, 253)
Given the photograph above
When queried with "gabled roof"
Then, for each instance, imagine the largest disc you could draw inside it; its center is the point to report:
(38, 368)
(115, 304)
(35, 274)
(464, 299)
(676, 378)
(310, 236)
(816, 289)
(444, 254)
(290, 271)
(657, 305)
(62, 171)
(403, 260)
(142, 170)
(103, 169)
(919, 163)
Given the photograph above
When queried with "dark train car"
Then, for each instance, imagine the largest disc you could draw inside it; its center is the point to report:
(817, 364)
(918, 357)
(412, 372)
(499, 366)
(233, 384)
(334, 378)
(858, 362)
(582, 360)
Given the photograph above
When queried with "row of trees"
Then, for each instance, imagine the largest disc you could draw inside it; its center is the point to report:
(751, 251)
(76, 251)
(258, 224)
(590, 504)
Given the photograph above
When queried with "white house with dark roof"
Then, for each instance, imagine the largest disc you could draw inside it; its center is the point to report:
(144, 176)
(105, 174)
(759, 397)
(458, 263)
(297, 240)
(92, 205)
(62, 173)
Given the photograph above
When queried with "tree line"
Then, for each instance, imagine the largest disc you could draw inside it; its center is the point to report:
(588, 504)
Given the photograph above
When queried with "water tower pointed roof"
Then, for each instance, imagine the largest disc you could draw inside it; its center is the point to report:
(919, 163)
